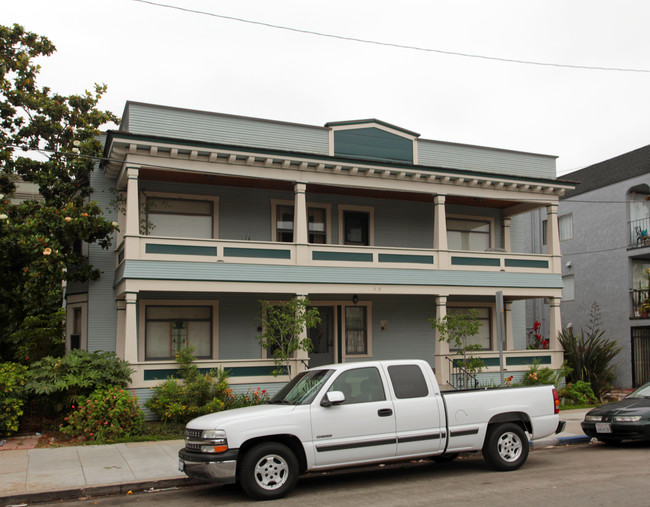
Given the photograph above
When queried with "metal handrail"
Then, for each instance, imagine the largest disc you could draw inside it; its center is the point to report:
(459, 378)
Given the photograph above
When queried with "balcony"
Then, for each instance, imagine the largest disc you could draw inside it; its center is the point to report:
(158, 248)
(638, 296)
(639, 231)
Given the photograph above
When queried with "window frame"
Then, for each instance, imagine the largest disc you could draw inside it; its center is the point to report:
(342, 209)
(213, 199)
(142, 325)
(491, 323)
(472, 218)
(559, 228)
(310, 205)
(76, 303)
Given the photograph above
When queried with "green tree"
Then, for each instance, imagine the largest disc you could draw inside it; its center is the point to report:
(456, 329)
(282, 330)
(51, 141)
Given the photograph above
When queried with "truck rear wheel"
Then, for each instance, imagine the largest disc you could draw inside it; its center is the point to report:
(268, 471)
(505, 447)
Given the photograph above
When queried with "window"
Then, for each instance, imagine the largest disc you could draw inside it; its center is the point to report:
(186, 218)
(360, 385)
(565, 226)
(356, 330)
(466, 234)
(356, 228)
(569, 290)
(316, 220)
(75, 337)
(171, 328)
(408, 381)
(484, 336)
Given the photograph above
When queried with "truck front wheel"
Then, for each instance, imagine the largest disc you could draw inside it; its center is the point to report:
(268, 471)
(505, 447)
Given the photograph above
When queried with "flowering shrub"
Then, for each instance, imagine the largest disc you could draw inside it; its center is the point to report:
(578, 393)
(538, 341)
(105, 415)
(12, 380)
(199, 393)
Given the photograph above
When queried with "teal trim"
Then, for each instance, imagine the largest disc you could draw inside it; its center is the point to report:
(524, 263)
(156, 248)
(341, 256)
(373, 143)
(489, 361)
(417, 259)
(475, 261)
(236, 371)
(258, 253)
(521, 361)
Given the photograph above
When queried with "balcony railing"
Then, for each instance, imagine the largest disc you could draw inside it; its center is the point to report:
(638, 296)
(639, 233)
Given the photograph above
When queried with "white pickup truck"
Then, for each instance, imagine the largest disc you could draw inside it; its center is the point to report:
(361, 413)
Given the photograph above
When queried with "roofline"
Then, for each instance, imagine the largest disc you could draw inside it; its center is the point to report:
(113, 135)
(371, 120)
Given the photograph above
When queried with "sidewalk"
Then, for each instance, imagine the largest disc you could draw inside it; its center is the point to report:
(44, 475)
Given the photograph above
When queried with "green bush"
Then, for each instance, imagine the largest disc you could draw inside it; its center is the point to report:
(105, 415)
(578, 393)
(55, 383)
(544, 376)
(199, 393)
(12, 396)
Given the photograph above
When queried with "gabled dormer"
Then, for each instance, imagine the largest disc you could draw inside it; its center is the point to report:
(374, 140)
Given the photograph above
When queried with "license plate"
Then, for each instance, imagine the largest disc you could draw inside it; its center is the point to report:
(603, 428)
(181, 466)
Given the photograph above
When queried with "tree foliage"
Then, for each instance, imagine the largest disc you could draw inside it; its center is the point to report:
(282, 330)
(51, 141)
(456, 329)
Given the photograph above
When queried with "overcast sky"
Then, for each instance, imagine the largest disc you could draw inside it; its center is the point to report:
(165, 56)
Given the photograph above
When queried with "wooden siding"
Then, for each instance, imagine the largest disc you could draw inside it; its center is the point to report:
(373, 143)
(490, 160)
(226, 272)
(208, 127)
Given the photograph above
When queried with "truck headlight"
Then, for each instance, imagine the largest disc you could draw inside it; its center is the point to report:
(214, 441)
(212, 434)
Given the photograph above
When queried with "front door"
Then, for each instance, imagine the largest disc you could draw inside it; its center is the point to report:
(322, 338)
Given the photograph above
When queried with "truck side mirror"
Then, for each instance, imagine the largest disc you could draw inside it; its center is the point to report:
(332, 398)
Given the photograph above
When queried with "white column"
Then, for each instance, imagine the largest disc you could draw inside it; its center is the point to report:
(507, 310)
(300, 234)
(131, 328)
(440, 223)
(507, 246)
(555, 325)
(132, 203)
(553, 238)
(441, 347)
(121, 328)
(302, 356)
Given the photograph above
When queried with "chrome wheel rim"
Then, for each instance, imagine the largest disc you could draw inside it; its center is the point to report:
(509, 447)
(271, 472)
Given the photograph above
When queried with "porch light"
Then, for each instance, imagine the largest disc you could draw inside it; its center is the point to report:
(355, 299)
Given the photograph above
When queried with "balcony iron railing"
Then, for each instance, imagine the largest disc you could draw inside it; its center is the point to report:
(639, 232)
(638, 296)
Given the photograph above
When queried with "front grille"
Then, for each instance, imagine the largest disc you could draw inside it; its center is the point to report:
(193, 433)
(192, 446)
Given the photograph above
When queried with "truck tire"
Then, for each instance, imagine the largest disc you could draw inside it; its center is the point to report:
(268, 471)
(506, 447)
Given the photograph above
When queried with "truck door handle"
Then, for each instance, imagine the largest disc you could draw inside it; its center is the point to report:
(384, 412)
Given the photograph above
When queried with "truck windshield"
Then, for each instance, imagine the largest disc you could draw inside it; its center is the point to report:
(302, 389)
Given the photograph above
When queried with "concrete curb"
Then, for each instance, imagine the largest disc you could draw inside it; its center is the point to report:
(99, 490)
(558, 441)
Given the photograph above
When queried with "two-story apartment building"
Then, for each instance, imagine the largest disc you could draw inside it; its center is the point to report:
(380, 229)
(604, 223)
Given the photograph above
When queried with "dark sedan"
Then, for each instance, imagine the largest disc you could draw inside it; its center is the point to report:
(628, 419)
